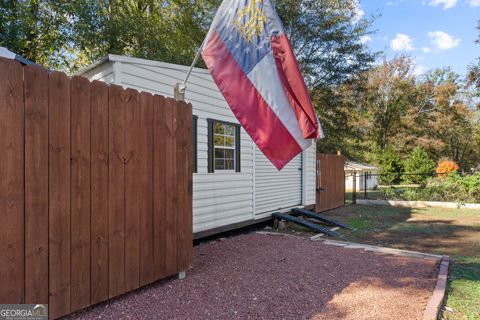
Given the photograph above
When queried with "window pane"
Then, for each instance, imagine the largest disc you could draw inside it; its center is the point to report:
(229, 153)
(219, 164)
(219, 128)
(229, 142)
(219, 140)
(229, 130)
(219, 153)
(229, 164)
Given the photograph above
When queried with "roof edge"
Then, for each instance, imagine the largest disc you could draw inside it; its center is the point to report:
(127, 59)
(356, 165)
(93, 65)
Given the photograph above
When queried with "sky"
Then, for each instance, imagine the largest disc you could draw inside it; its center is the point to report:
(436, 33)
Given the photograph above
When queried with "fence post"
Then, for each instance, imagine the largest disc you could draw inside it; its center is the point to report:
(365, 185)
(354, 189)
(179, 95)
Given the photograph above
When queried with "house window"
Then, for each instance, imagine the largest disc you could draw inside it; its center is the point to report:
(194, 143)
(223, 146)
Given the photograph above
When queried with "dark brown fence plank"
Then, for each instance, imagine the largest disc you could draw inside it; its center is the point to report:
(331, 178)
(80, 193)
(184, 155)
(181, 177)
(36, 184)
(159, 186)
(188, 222)
(132, 189)
(99, 192)
(116, 102)
(146, 188)
(59, 194)
(171, 197)
(11, 183)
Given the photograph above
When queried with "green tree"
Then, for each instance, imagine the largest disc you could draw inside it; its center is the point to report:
(391, 168)
(403, 110)
(68, 35)
(450, 126)
(473, 75)
(388, 91)
(169, 31)
(418, 166)
(473, 78)
(343, 119)
(39, 30)
(328, 38)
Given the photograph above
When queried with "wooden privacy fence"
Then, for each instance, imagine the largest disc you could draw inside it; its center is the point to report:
(330, 182)
(95, 189)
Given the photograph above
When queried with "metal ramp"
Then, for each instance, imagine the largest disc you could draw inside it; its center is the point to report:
(306, 224)
(320, 218)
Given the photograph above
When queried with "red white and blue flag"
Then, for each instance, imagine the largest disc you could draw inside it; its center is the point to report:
(250, 58)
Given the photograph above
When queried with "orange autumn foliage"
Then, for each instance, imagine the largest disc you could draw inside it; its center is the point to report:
(446, 167)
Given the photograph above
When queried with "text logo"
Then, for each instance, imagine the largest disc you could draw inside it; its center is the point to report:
(23, 311)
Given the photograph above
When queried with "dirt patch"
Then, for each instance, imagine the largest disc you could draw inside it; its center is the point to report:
(257, 276)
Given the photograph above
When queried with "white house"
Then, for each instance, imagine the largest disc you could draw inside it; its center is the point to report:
(363, 172)
(234, 184)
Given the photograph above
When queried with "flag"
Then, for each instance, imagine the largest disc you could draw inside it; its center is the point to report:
(250, 58)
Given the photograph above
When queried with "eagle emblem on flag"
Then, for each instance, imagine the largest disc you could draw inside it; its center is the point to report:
(254, 25)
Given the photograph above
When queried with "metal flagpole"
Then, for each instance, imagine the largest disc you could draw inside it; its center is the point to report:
(180, 88)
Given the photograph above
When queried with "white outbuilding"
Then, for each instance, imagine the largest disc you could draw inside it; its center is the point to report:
(365, 175)
(7, 54)
(234, 184)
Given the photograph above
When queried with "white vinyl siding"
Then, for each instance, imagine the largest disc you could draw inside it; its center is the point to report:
(311, 178)
(275, 190)
(223, 197)
(103, 72)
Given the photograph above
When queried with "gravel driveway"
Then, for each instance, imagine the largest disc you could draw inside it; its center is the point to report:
(256, 276)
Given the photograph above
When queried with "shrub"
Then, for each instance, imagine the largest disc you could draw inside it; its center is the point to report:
(391, 168)
(446, 167)
(450, 188)
(390, 193)
(418, 166)
(411, 195)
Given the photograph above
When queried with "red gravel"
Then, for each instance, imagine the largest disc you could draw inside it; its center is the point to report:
(257, 276)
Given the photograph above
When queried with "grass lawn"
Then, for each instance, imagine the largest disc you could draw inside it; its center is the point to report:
(453, 232)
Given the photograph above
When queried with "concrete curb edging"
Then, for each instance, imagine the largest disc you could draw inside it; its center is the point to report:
(434, 305)
(419, 204)
(384, 250)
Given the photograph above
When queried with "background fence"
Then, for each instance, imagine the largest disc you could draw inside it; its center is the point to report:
(449, 187)
(362, 185)
(95, 189)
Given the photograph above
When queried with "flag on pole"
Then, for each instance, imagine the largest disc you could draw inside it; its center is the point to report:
(250, 58)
